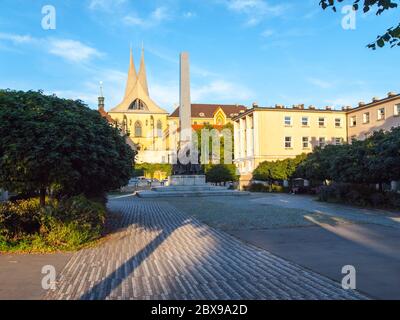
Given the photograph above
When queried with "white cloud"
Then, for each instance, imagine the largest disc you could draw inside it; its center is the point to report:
(221, 90)
(255, 10)
(268, 33)
(72, 50)
(155, 18)
(104, 4)
(16, 38)
(133, 20)
(189, 14)
(323, 84)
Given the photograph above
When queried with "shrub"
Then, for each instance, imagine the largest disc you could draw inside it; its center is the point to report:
(360, 195)
(66, 224)
(19, 217)
(258, 187)
(218, 173)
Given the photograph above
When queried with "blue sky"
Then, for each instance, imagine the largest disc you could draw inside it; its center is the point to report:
(242, 51)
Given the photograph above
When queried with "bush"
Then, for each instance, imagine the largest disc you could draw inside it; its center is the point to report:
(218, 173)
(60, 225)
(20, 217)
(359, 195)
(259, 187)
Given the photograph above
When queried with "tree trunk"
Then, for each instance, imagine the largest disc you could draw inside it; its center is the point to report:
(42, 196)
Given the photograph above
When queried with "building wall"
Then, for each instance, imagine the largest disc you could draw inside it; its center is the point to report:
(150, 140)
(362, 128)
(260, 134)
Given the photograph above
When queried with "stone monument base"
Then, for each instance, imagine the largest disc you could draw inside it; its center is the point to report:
(185, 180)
(188, 186)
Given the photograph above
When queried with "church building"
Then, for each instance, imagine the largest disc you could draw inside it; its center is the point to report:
(152, 131)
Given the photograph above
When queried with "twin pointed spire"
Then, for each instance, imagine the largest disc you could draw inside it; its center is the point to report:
(134, 77)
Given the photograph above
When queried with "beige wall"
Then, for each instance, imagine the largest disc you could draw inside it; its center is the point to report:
(150, 140)
(260, 134)
(361, 130)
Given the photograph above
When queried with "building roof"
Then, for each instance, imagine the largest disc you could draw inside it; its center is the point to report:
(375, 101)
(106, 116)
(208, 110)
(137, 88)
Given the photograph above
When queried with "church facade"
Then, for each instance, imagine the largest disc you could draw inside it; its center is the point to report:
(152, 131)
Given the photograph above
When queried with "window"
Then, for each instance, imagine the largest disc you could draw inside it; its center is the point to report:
(305, 143)
(366, 117)
(159, 129)
(138, 129)
(322, 142)
(138, 105)
(396, 111)
(353, 121)
(338, 141)
(381, 114)
(338, 123)
(288, 121)
(288, 142)
(321, 121)
(304, 121)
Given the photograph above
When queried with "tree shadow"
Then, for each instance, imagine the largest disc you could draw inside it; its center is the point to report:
(103, 289)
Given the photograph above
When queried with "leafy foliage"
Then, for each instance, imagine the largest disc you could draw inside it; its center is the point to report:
(67, 224)
(375, 160)
(47, 142)
(149, 169)
(211, 156)
(359, 194)
(391, 36)
(218, 173)
(277, 170)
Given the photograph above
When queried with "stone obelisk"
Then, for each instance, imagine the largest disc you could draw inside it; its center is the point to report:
(185, 102)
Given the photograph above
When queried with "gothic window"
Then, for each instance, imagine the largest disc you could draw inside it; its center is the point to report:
(138, 105)
(138, 129)
(159, 129)
(125, 125)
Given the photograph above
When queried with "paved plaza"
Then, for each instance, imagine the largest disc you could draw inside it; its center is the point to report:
(160, 253)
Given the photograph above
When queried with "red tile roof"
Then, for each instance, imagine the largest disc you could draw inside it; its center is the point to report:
(106, 116)
(209, 110)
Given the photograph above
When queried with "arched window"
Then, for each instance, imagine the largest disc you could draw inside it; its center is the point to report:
(125, 125)
(159, 129)
(138, 105)
(138, 129)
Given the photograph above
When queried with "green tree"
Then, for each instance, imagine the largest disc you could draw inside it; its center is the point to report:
(391, 36)
(278, 170)
(46, 141)
(220, 173)
(209, 127)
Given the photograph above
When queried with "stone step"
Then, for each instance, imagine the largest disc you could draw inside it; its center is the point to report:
(188, 188)
(164, 194)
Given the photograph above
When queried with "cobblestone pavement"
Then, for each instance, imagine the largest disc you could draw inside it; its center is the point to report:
(159, 253)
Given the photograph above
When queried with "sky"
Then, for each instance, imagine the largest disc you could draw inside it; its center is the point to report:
(241, 51)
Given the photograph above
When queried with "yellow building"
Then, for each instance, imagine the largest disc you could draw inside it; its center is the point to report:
(380, 114)
(141, 117)
(269, 134)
